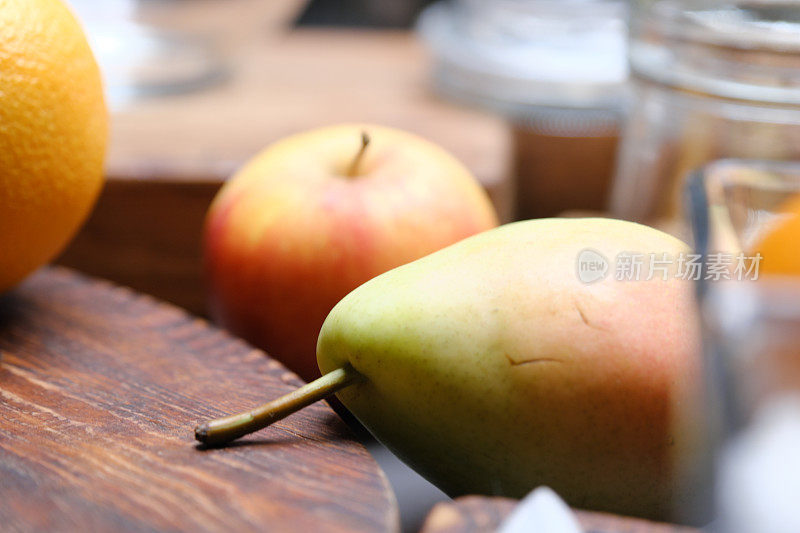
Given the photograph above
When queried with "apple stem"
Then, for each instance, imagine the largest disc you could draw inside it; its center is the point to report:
(352, 170)
(223, 430)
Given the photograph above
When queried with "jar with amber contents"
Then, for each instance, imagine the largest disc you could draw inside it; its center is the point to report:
(557, 70)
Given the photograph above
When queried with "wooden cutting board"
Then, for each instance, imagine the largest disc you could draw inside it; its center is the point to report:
(100, 388)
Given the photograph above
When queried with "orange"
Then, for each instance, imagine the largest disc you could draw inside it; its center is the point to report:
(53, 133)
(780, 245)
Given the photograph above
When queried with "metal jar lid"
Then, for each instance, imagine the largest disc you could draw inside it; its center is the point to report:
(513, 55)
(739, 50)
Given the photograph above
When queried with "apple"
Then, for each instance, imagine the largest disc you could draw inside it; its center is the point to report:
(315, 215)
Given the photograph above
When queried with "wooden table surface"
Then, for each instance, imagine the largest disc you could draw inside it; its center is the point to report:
(100, 388)
(284, 80)
(169, 155)
(478, 514)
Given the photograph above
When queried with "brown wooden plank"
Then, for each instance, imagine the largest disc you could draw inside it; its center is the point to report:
(479, 514)
(100, 388)
(146, 235)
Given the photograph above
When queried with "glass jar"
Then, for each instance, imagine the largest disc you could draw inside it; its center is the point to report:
(557, 70)
(747, 474)
(712, 79)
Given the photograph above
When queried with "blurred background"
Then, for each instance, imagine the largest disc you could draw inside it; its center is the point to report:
(559, 107)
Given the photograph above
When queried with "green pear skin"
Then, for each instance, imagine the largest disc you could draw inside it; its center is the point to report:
(490, 368)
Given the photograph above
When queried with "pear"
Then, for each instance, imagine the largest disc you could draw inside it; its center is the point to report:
(493, 366)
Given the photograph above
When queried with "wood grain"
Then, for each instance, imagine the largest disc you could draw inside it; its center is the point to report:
(479, 514)
(99, 391)
(147, 235)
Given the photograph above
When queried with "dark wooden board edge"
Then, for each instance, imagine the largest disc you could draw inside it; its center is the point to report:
(481, 514)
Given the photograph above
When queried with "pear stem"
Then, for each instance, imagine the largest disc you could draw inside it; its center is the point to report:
(223, 430)
(352, 170)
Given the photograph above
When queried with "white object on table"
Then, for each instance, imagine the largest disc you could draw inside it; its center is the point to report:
(541, 511)
(758, 485)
